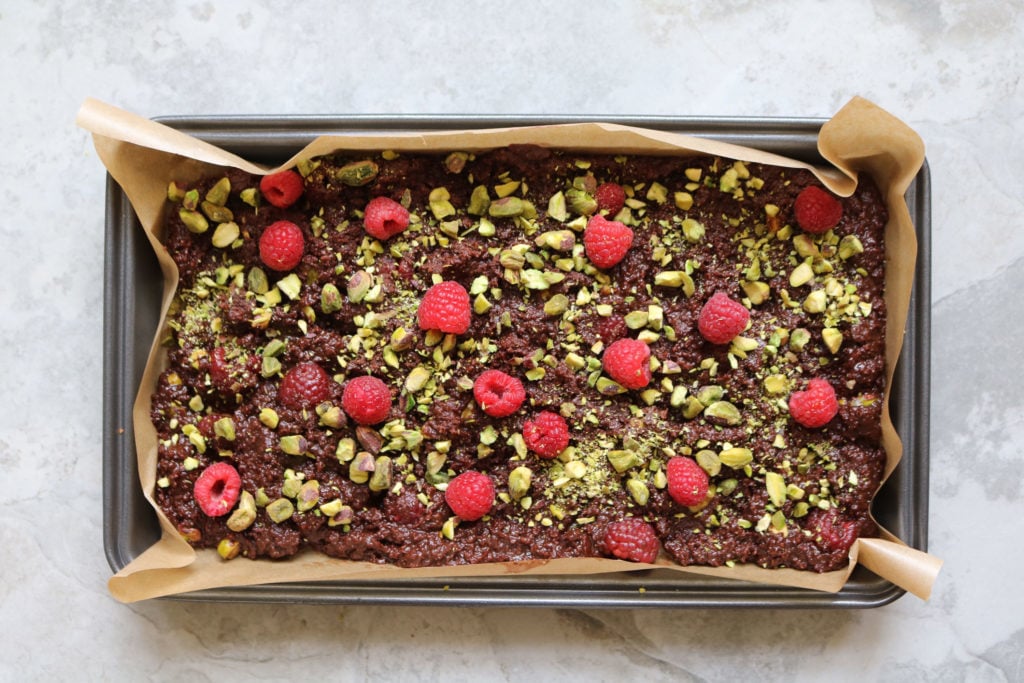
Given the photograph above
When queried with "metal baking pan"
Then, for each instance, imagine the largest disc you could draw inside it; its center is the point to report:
(131, 307)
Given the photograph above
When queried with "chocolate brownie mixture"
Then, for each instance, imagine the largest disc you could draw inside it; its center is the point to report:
(508, 225)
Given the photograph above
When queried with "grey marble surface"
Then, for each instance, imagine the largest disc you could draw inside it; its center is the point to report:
(951, 69)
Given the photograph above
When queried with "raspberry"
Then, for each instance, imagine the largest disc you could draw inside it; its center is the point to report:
(304, 386)
(687, 482)
(606, 241)
(282, 189)
(721, 319)
(445, 307)
(216, 490)
(366, 399)
(632, 539)
(610, 198)
(498, 394)
(220, 370)
(831, 531)
(230, 376)
(206, 425)
(470, 495)
(816, 210)
(816, 405)
(384, 218)
(282, 245)
(628, 362)
(547, 435)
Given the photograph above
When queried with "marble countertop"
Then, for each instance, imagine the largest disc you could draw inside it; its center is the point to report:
(948, 68)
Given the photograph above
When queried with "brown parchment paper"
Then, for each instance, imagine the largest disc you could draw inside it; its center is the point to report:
(144, 156)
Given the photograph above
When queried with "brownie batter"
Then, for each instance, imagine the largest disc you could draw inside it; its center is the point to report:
(701, 225)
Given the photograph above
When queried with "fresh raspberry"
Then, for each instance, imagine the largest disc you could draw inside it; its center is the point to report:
(816, 210)
(282, 245)
(206, 425)
(498, 394)
(384, 218)
(445, 307)
(304, 386)
(687, 482)
(610, 198)
(366, 399)
(830, 530)
(547, 435)
(220, 370)
(282, 189)
(606, 241)
(230, 376)
(816, 405)
(631, 539)
(721, 319)
(628, 362)
(470, 495)
(216, 490)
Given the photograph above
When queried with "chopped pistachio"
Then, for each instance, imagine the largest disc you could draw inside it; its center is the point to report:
(815, 302)
(479, 201)
(194, 221)
(556, 305)
(245, 514)
(382, 472)
(636, 319)
(557, 207)
(357, 173)
(776, 486)
(709, 462)
(330, 298)
(638, 491)
(622, 460)
(228, 549)
(225, 234)
(833, 339)
(798, 339)
(693, 230)
(801, 275)
(757, 291)
(358, 286)
(723, 413)
(280, 510)
(850, 246)
(736, 458)
(683, 200)
(293, 444)
(506, 207)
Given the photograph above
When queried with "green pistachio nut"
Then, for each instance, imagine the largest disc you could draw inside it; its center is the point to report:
(506, 207)
(229, 549)
(623, 460)
(219, 193)
(479, 201)
(330, 299)
(194, 221)
(280, 510)
(308, 495)
(357, 173)
(736, 457)
(519, 481)
(225, 234)
(245, 514)
(638, 491)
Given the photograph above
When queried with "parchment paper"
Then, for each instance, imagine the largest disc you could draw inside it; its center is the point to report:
(144, 156)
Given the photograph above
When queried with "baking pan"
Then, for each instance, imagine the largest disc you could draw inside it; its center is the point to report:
(132, 292)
